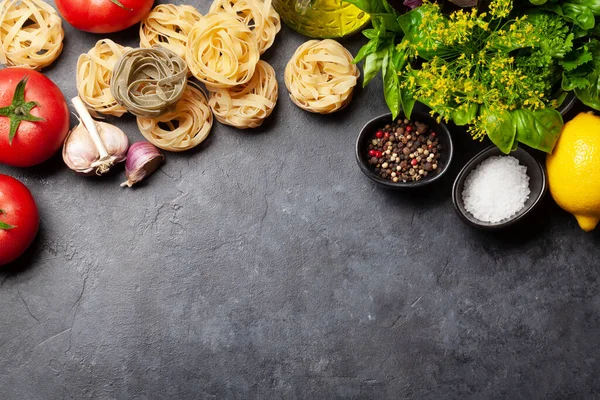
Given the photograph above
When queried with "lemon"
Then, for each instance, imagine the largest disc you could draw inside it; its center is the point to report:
(574, 170)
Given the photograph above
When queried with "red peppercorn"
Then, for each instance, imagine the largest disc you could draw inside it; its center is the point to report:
(433, 134)
(414, 161)
(386, 135)
(372, 153)
(408, 129)
(429, 146)
(378, 134)
(378, 154)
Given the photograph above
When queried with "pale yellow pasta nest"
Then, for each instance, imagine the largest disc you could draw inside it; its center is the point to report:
(168, 25)
(321, 77)
(31, 34)
(185, 127)
(258, 15)
(222, 51)
(94, 70)
(246, 106)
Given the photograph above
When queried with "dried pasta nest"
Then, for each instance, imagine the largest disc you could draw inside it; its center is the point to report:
(149, 82)
(182, 129)
(246, 106)
(258, 15)
(321, 77)
(168, 25)
(222, 51)
(94, 70)
(31, 34)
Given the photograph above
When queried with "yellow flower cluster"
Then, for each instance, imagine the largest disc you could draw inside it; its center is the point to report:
(500, 8)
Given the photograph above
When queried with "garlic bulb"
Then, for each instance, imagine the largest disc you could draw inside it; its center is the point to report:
(93, 147)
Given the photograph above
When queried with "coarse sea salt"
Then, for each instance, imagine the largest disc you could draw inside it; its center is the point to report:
(496, 189)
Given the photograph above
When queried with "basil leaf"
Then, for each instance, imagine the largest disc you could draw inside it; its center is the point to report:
(391, 84)
(373, 65)
(464, 117)
(364, 51)
(538, 129)
(500, 128)
(407, 101)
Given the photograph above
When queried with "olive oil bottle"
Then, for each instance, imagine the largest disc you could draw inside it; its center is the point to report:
(321, 18)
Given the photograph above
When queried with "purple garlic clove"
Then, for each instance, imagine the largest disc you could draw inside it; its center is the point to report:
(143, 159)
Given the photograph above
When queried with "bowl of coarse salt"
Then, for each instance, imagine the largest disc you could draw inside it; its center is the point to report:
(495, 190)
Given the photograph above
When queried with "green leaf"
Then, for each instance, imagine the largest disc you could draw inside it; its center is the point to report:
(576, 58)
(19, 110)
(372, 65)
(393, 62)
(408, 101)
(538, 129)
(5, 226)
(500, 128)
(464, 117)
(367, 49)
(391, 85)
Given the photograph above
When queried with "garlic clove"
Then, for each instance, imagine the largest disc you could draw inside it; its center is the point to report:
(115, 141)
(79, 151)
(143, 158)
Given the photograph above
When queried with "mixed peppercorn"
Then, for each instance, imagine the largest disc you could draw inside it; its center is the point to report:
(404, 151)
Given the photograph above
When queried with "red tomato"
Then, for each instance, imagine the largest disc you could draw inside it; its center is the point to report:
(103, 16)
(34, 141)
(19, 219)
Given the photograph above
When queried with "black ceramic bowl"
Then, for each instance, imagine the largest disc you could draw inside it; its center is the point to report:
(368, 131)
(537, 186)
(568, 103)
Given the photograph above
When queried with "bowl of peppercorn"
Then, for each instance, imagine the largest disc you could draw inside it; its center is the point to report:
(403, 153)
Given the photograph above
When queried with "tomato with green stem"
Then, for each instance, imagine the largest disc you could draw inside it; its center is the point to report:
(19, 219)
(103, 16)
(34, 117)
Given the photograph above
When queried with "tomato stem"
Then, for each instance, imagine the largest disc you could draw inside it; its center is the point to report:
(4, 225)
(19, 110)
(117, 2)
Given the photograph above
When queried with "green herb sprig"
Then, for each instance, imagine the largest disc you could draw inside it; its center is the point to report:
(496, 70)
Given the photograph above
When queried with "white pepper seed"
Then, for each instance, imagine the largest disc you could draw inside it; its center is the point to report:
(388, 152)
(426, 152)
(434, 166)
(395, 179)
(374, 142)
(394, 174)
(420, 150)
(384, 165)
(411, 155)
(398, 168)
(421, 171)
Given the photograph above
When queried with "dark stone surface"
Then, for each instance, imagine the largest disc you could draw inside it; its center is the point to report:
(265, 265)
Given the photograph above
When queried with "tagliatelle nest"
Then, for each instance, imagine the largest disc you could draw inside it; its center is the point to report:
(148, 82)
(246, 106)
(182, 129)
(31, 34)
(168, 25)
(222, 51)
(321, 77)
(94, 70)
(258, 15)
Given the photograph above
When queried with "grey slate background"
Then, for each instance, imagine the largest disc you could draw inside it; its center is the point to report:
(264, 265)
